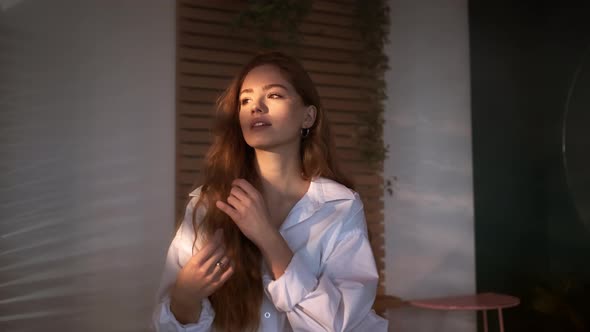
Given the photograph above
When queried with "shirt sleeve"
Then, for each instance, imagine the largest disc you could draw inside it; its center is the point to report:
(341, 297)
(179, 252)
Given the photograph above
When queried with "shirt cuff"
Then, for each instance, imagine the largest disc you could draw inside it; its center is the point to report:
(293, 286)
(167, 322)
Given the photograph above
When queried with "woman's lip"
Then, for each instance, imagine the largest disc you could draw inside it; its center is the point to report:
(264, 124)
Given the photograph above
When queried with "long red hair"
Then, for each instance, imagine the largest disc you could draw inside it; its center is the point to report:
(237, 302)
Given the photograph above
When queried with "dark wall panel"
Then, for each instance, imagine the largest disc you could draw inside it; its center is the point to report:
(530, 240)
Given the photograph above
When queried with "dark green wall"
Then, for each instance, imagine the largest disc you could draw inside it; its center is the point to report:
(528, 235)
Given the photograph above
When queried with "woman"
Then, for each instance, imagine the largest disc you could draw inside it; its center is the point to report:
(281, 241)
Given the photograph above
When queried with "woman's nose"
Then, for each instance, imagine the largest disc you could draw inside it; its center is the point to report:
(257, 108)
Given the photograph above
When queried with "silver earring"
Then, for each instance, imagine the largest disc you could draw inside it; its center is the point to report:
(304, 132)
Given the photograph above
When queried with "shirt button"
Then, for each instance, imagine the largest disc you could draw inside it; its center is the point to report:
(267, 314)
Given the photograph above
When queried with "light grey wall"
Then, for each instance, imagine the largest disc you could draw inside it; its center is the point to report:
(429, 218)
(87, 162)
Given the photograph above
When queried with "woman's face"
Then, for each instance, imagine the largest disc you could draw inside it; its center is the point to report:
(271, 112)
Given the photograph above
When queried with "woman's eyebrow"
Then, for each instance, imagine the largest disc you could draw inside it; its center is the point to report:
(276, 85)
(265, 88)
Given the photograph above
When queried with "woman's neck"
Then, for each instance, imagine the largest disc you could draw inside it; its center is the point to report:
(280, 176)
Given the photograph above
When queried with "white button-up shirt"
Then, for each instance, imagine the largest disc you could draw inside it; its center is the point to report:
(330, 283)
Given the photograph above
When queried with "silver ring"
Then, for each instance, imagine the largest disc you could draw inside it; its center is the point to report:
(219, 264)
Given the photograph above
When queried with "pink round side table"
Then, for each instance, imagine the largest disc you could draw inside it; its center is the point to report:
(477, 302)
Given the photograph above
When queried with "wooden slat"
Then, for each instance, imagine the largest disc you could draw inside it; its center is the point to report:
(325, 18)
(376, 244)
(377, 241)
(343, 117)
(225, 5)
(344, 93)
(220, 23)
(185, 163)
(189, 177)
(198, 95)
(346, 155)
(334, 8)
(212, 69)
(378, 252)
(193, 31)
(213, 56)
(228, 7)
(345, 142)
(358, 167)
(331, 43)
(330, 50)
(331, 67)
(190, 40)
(194, 136)
(182, 190)
(374, 216)
(195, 122)
(245, 51)
(342, 7)
(328, 55)
(244, 36)
(373, 219)
(372, 193)
(208, 15)
(372, 206)
(192, 81)
(376, 230)
(341, 80)
(343, 2)
(374, 179)
(343, 129)
(193, 149)
(320, 29)
(345, 105)
(207, 109)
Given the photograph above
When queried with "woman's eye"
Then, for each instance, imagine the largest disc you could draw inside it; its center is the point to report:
(274, 96)
(244, 101)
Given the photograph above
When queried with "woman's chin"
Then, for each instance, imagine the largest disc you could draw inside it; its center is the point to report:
(271, 145)
(261, 145)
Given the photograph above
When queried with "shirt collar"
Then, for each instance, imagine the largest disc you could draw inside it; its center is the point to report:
(321, 190)
(195, 192)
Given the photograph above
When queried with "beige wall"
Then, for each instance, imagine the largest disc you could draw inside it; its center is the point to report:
(429, 219)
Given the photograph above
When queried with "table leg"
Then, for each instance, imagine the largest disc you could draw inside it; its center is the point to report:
(501, 319)
(485, 320)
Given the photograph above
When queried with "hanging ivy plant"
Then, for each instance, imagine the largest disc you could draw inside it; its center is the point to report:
(373, 23)
(371, 20)
(266, 16)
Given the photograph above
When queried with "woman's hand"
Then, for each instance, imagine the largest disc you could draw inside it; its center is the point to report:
(246, 207)
(202, 275)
